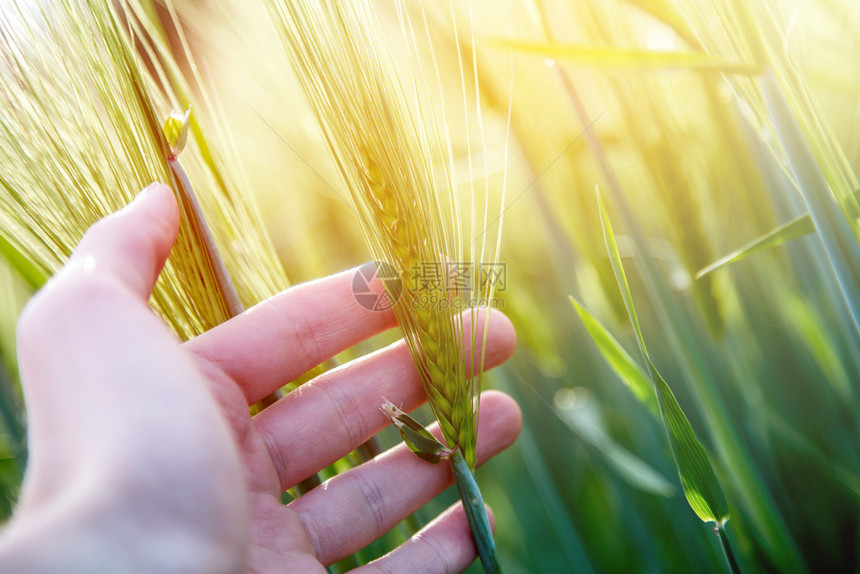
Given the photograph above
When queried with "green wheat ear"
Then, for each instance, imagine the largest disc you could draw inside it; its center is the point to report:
(404, 207)
(410, 216)
(82, 134)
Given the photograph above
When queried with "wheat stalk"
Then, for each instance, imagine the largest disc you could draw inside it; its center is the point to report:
(410, 216)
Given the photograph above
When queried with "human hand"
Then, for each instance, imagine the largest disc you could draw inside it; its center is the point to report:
(143, 455)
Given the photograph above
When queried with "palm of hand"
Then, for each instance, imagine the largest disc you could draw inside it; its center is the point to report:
(165, 451)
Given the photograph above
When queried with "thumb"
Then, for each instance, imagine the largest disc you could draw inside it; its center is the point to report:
(132, 245)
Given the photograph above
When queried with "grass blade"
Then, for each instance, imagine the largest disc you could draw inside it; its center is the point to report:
(698, 479)
(630, 373)
(615, 58)
(700, 484)
(839, 241)
(795, 228)
(805, 447)
(585, 421)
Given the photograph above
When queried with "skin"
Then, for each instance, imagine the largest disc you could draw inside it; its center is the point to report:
(143, 455)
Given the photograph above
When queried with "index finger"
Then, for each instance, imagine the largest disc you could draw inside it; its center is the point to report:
(285, 336)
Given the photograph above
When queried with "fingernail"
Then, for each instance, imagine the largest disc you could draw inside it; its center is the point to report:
(142, 195)
(148, 189)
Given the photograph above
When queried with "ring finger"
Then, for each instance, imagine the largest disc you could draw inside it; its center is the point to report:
(380, 493)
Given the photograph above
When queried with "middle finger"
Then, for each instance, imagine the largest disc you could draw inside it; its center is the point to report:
(327, 418)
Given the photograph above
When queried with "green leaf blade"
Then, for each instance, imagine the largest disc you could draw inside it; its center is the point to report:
(838, 238)
(629, 467)
(632, 59)
(620, 275)
(700, 484)
(794, 229)
(630, 373)
(698, 479)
